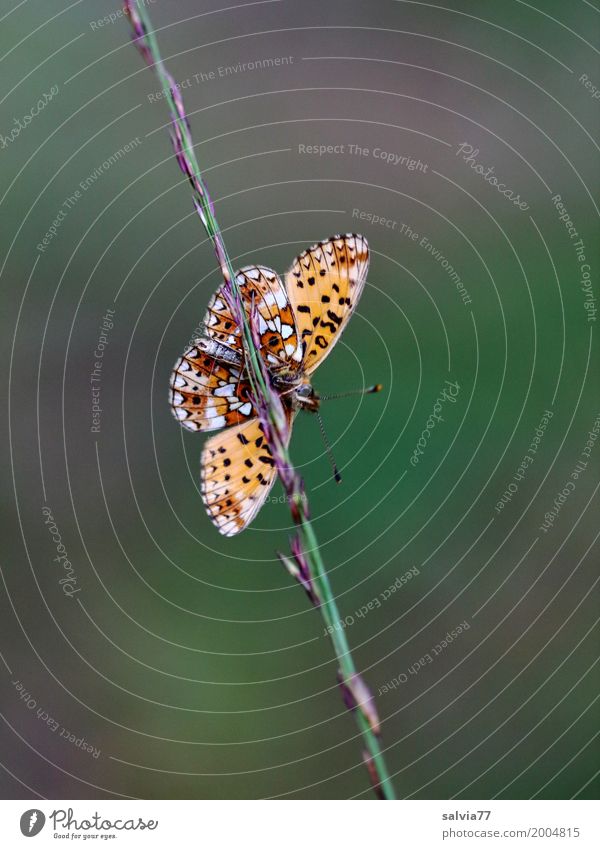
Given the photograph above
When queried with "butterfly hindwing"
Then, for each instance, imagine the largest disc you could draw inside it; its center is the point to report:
(208, 394)
(237, 473)
(324, 285)
(276, 325)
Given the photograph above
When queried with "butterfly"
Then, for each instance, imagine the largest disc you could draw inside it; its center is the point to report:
(299, 321)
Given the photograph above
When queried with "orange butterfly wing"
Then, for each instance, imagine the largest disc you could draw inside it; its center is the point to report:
(276, 325)
(209, 389)
(238, 472)
(207, 394)
(323, 286)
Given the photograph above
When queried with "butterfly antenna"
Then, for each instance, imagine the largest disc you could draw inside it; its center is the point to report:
(336, 473)
(369, 390)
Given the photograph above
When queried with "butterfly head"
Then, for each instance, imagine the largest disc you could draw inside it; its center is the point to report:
(296, 390)
(305, 396)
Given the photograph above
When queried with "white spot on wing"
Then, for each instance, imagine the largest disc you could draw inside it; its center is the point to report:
(225, 391)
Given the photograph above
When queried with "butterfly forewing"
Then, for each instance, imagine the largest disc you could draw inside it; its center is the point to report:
(238, 472)
(324, 285)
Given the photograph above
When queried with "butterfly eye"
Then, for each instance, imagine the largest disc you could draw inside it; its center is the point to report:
(305, 390)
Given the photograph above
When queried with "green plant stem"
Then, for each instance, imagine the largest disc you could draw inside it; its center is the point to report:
(341, 648)
(267, 402)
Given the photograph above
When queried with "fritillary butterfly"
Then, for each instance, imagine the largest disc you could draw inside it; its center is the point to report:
(299, 322)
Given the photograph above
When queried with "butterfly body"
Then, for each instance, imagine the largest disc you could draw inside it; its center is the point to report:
(298, 323)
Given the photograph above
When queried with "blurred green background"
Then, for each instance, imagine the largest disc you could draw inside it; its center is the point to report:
(191, 663)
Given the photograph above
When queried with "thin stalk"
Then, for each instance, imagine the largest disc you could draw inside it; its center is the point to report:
(305, 563)
(332, 619)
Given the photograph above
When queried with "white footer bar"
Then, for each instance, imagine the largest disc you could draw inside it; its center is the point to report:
(301, 824)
